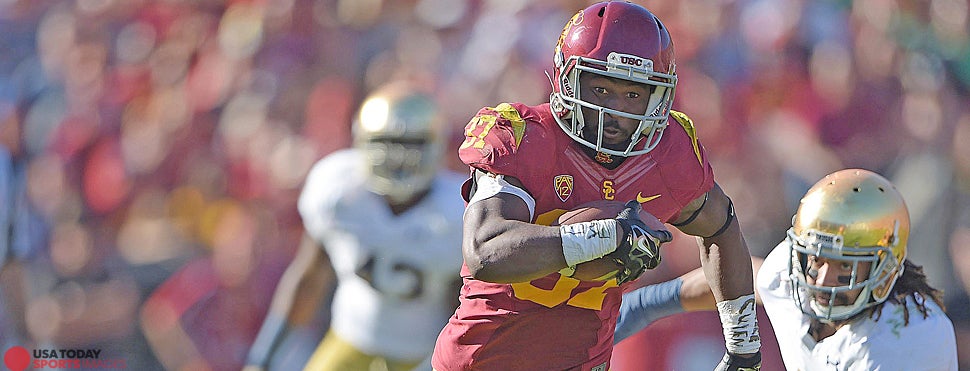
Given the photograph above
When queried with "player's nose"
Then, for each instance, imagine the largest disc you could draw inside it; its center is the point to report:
(826, 276)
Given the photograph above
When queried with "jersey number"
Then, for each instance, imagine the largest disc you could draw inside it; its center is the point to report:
(562, 292)
(399, 279)
(482, 124)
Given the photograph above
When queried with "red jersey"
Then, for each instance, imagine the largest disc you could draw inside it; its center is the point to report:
(558, 322)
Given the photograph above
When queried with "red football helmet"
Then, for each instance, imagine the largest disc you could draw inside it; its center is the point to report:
(619, 40)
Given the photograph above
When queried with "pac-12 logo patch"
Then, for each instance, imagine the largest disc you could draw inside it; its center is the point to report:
(564, 186)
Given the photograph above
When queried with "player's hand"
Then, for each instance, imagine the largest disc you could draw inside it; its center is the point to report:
(639, 247)
(744, 362)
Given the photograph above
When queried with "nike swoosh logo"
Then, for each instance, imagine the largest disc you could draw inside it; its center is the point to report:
(642, 199)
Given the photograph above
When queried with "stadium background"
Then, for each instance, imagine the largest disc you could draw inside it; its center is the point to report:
(159, 146)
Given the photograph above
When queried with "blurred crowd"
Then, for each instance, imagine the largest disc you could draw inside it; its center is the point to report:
(151, 152)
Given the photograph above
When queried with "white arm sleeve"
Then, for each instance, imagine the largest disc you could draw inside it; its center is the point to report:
(489, 186)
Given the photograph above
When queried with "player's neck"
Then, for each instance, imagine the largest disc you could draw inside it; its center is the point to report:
(608, 161)
(399, 207)
(821, 329)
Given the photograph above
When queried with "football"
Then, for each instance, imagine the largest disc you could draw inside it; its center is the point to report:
(604, 268)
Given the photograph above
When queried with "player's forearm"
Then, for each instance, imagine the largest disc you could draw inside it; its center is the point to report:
(727, 264)
(513, 251)
(695, 293)
(643, 306)
(302, 279)
(314, 285)
(501, 245)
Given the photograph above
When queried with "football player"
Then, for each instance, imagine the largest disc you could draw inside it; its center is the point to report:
(608, 133)
(839, 291)
(388, 218)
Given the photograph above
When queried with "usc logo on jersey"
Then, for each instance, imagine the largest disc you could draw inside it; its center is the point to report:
(608, 191)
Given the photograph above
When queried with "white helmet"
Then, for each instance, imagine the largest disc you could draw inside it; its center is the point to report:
(398, 129)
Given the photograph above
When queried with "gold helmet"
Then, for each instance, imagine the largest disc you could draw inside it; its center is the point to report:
(398, 128)
(855, 216)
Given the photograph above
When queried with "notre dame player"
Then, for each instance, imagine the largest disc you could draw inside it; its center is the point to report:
(839, 290)
(389, 220)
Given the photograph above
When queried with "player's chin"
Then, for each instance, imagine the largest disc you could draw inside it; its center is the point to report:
(616, 145)
(826, 300)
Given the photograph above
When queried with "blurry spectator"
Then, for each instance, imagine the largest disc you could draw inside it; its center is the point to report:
(207, 314)
(23, 232)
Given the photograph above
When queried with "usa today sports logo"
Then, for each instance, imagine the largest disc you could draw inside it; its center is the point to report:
(19, 359)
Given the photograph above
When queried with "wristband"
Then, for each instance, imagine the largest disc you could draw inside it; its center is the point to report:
(739, 321)
(585, 241)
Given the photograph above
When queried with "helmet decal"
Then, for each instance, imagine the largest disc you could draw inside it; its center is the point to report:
(574, 21)
(629, 62)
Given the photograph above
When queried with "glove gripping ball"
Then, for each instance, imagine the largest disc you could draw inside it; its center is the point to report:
(609, 266)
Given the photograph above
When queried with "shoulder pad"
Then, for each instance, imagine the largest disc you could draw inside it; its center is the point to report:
(330, 179)
(688, 126)
(487, 118)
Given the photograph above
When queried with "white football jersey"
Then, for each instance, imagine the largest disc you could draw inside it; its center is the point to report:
(862, 345)
(396, 274)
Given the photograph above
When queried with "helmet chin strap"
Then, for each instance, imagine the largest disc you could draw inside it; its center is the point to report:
(812, 272)
(580, 121)
(577, 111)
(580, 118)
(558, 104)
